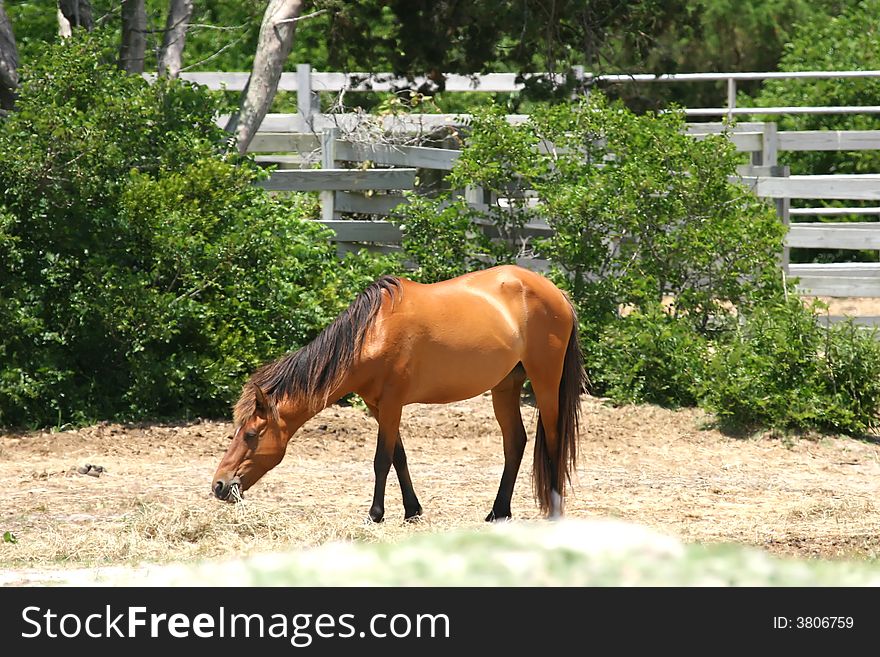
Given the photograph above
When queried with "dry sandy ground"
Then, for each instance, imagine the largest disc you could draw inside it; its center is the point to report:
(852, 306)
(666, 469)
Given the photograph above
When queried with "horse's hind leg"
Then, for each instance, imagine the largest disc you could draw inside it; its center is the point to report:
(505, 401)
(545, 377)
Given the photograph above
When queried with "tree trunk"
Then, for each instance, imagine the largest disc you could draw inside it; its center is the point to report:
(171, 55)
(74, 13)
(134, 36)
(8, 62)
(273, 48)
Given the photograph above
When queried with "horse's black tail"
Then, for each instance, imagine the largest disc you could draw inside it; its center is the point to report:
(571, 385)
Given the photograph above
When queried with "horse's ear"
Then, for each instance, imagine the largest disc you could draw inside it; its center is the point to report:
(262, 409)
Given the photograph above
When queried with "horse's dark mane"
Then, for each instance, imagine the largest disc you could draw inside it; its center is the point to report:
(314, 370)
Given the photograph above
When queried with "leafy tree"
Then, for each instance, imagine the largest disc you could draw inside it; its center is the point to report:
(141, 271)
(847, 41)
(640, 211)
(414, 38)
(713, 35)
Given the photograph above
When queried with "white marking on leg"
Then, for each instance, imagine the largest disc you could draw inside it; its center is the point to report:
(555, 504)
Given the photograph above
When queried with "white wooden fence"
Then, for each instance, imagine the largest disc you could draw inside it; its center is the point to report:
(308, 84)
(309, 137)
(353, 191)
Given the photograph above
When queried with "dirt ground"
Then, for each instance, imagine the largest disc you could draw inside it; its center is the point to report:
(851, 306)
(666, 469)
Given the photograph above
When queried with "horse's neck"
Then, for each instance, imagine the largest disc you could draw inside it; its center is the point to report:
(296, 412)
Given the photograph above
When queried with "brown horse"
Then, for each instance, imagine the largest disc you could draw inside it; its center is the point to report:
(402, 343)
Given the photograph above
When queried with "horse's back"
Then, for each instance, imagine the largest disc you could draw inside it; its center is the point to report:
(458, 338)
(519, 296)
(486, 301)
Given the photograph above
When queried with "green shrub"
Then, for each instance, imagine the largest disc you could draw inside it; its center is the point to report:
(782, 369)
(648, 356)
(674, 270)
(441, 242)
(764, 373)
(142, 274)
(849, 379)
(640, 210)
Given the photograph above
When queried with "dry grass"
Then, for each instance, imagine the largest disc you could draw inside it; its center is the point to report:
(649, 465)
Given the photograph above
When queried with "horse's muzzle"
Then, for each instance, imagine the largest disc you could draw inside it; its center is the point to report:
(223, 490)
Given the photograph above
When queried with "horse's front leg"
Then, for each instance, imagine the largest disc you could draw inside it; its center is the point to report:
(389, 430)
(412, 510)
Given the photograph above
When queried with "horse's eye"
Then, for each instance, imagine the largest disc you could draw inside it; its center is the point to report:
(250, 436)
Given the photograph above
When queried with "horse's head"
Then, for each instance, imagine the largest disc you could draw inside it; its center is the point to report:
(258, 445)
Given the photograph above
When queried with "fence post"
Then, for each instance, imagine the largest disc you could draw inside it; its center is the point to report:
(307, 101)
(328, 161)
(474, 196)
(783, 205)
(731, 98)
(767, 157)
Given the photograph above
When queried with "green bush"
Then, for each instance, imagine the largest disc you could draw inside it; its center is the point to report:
(782, 369)
(849, 378)
(775, 367)
(764, 373)
(648, 356)
(142, 274)
(441, 242)
(674, 270)
(640, 211)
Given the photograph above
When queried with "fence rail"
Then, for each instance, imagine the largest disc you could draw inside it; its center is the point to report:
(857, 236)
(314, 138)
(319, 180)
(308, 84)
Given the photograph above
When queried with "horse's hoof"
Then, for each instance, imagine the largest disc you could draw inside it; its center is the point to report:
(377, 515)
(413, 516)
(493, 517)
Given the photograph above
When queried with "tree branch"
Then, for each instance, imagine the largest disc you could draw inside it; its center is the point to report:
(171, 54)
(273, 48)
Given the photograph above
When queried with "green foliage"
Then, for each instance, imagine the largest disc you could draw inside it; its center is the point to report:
(441, 241)
(847, 41)
(673, 269)
(419, 37)
(639, 210)
(712, 35)
(775, 367)
(648, 356)
(9, 537)
(782, 369)
(141, 271)
(849, 378)
(764, 374)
